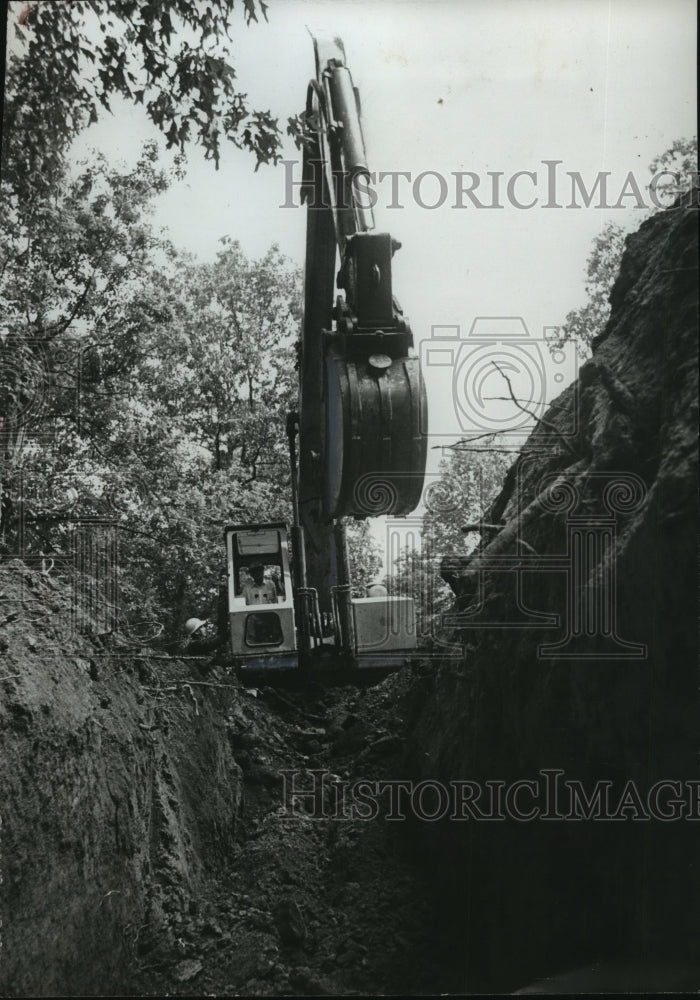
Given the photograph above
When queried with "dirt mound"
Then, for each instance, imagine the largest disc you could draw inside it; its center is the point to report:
(580, 652)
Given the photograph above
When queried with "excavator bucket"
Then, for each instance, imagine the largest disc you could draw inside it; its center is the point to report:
(375, 448)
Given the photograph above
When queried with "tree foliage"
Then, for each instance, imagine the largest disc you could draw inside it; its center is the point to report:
(364, 556)
(141, 389)
(468, 483)
(672, 174)
(583, 325)
(228, 372)
(73, 57)
(75, 278)
(675, 170)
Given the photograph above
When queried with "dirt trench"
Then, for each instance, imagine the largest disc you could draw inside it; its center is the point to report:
(149, 843)
(579, 655)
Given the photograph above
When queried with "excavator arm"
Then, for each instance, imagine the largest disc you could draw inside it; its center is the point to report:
(362, 406)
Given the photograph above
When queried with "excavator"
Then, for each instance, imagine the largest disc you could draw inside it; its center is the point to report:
(357, 442)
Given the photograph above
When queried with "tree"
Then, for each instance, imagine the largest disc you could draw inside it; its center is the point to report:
(364, 555)
(213, 391)
(674, 170)
(142, 391)
(74, 278)
(171, 56)
(469, 481)
(672, 174)
(228, 371)
(583, 325)
(140, 387)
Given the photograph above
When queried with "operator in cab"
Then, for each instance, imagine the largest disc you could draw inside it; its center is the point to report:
(259, 590)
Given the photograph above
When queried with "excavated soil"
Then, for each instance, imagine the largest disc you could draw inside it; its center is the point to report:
(148, 845)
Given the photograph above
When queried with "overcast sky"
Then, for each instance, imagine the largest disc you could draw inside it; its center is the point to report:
(456, 85)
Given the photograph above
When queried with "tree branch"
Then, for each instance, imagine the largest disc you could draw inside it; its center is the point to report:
(538, 420)
(466, 441)
(482, 526)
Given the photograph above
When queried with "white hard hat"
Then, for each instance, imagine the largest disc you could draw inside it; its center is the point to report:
(377, 590)
(193, 624)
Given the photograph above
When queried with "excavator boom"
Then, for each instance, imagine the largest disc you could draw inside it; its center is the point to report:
(362, 411)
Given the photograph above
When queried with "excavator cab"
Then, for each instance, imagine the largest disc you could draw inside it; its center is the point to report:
(260, 592)
(274, 625)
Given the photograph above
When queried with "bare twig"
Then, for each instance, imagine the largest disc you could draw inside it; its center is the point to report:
(670, 270)
(9, 677)
(211, 684)
(275, 696)
(466, 441)
(506, 398)
(178, 684)
(463, 446)
(112, 892)
(538, 420)
(169, 656)
(144, 534)
(524, 544)
(482, 526)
